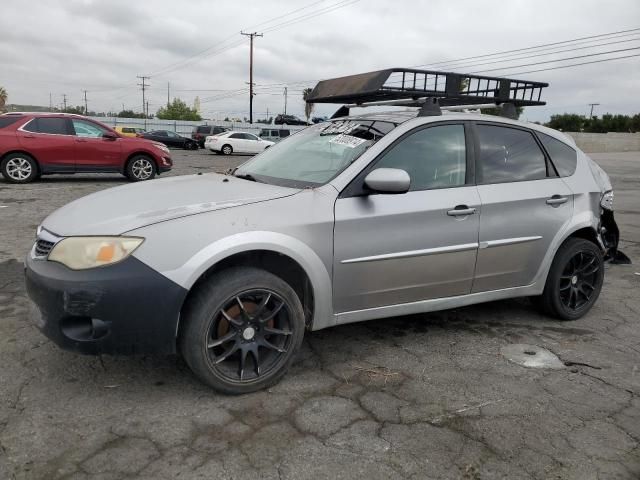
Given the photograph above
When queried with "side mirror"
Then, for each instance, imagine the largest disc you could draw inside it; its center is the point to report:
(109, 136)
(388, 180)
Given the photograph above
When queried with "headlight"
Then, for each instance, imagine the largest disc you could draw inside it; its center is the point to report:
(607, 200)
(80, 253)
(161, 147)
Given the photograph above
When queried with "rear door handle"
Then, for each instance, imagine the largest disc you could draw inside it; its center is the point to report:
(557, 200)
(80, 140)
(461, 210)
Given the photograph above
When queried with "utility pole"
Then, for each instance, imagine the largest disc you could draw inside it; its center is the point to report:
(86, 108)
(50, 103)
(64, 101)
(168, 101)
(251, 35)
(285, 100)
(144, 85)
(592, 105)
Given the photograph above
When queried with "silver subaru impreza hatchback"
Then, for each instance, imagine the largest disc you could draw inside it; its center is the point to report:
(361, 217)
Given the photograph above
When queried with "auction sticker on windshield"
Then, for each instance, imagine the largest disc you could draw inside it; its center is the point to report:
(347, 140)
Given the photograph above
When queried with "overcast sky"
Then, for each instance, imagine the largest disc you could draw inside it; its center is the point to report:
(65, 46)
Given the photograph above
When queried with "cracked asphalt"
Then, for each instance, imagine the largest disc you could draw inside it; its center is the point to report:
(421, 397)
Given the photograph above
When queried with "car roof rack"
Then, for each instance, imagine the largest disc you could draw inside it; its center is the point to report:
(431, 90)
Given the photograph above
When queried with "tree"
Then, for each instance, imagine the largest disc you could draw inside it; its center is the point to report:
(497, 111)
(77, 110)
(178, 110)
(3, 98)
(129, 114)
(308, 107)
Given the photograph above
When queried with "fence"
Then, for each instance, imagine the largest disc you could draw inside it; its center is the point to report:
(184, 127)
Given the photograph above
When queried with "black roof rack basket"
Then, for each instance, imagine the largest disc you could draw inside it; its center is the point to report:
(412, 87)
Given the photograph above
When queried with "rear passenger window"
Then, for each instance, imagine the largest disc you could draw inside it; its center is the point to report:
(284, 133)
(434, 157)
(564, 157)
(52, 126)
(509, 155)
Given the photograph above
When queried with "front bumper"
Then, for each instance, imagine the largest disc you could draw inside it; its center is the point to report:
(125, 308)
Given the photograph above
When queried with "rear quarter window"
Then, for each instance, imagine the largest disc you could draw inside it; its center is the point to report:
(10, 120)
(204, 129)
(563, 157)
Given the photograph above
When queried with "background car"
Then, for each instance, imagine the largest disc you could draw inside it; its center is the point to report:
(274, 135)
(201, 132)
(288, 120)
(171, 139)
(236, 142)
(35, 144)
(130, 131)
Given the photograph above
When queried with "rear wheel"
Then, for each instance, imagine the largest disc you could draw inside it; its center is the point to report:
(19, 168)
(227, 150)
(141, 168)
(241, 330)
(574, 281)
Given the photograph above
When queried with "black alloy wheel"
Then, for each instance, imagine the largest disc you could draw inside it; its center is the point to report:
(578, 280)
(241, 329)
(250, 335)
(574, 280)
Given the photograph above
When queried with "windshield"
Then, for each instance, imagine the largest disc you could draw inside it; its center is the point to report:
(316, 154)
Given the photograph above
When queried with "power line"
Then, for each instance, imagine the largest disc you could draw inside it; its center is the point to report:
(557, 60)
(577, 64)
(528, 48)
(520, 57)
(218, 48)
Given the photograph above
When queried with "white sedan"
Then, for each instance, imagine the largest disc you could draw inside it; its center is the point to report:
(236, 142)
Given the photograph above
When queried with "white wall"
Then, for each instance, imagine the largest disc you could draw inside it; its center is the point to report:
(606, 142)
(184, 127)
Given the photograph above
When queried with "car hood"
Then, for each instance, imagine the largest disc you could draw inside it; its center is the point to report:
(118, 210)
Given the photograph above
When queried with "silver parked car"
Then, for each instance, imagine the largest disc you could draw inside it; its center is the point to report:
(357, 218)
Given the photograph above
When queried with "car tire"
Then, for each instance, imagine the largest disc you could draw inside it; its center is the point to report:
(140, 168)
(241, 330)
(574, 281)
(226, 149)
(19, 168)
(192, 146)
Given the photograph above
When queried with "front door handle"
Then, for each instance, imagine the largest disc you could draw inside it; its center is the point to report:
(557, 200)
(461, 210)
(81, 140)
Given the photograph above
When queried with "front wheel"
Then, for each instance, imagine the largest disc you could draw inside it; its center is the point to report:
(141, 168)
(574, 281)
(241, 330)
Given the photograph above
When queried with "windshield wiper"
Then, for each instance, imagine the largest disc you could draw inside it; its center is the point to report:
(246, 176)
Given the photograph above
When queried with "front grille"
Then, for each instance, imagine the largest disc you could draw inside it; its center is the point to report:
(43, 247)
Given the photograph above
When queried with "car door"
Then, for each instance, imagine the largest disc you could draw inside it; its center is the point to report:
(238, 143)
(399, 248)
(524, 205)
(254, 144)
(175, 140)
(159, 136)
(93, 151)
(50, 141)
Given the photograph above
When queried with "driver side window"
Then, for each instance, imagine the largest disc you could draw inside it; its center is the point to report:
(87, 129)
(434, 157)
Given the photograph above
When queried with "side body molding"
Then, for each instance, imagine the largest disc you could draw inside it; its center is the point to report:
(187, 274)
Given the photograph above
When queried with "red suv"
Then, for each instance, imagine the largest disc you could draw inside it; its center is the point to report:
(34, 144)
